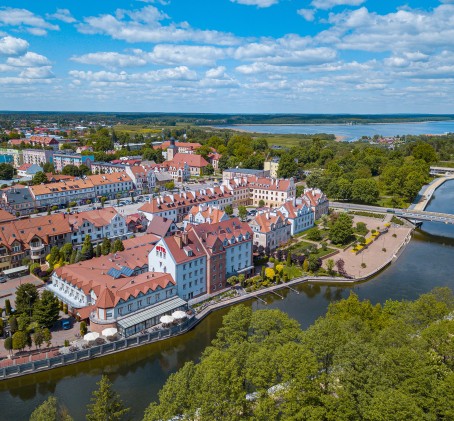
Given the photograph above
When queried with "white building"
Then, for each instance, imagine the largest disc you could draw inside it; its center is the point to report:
(271, 229)
(183, 257)
(111, 185)
(299, 214)
(99, 224)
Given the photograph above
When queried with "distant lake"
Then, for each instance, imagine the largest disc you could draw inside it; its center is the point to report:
(353, 132)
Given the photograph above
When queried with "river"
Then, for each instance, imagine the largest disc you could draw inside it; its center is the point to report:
(138, 374)
(352, 132)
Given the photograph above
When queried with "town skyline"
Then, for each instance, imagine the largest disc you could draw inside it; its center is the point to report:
(254, 56)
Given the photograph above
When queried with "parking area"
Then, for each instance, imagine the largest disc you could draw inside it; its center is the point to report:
(8, 288)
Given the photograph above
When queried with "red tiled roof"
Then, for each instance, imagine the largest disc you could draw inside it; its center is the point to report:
(193, 160)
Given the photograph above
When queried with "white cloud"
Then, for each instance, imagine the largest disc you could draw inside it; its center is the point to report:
(12, 46)
(62, 14)
(30, 59)
(23, 18)
(215, 73)
(110, 59)
(307, 14)
(37, 73)
(258, 3)
(191, 55)
(144, 25)
(329, 4)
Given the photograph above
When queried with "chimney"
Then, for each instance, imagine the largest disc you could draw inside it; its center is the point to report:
(178, 239)
(184, 237)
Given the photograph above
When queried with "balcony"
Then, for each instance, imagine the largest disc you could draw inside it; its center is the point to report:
(36, 251)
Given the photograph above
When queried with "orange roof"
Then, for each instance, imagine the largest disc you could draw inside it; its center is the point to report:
(265, 220)
(187, 145)
(98, 217)
(116, 177)
(180, 254)
(214, 215)
(106, 298)
(23, 230)
(61, 186)
(268, 183)
(6, 216)
(143, 240)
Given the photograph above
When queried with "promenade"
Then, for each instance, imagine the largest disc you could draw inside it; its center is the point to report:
(426, 193)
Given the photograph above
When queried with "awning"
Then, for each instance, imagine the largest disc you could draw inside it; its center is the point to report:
(245, 269)
(164, 307)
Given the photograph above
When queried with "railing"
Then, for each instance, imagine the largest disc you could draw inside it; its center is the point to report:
(95, 351)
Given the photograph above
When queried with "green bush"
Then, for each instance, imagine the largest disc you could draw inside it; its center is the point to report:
(83, 328)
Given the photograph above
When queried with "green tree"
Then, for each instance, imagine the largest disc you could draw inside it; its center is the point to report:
(330, 266)
(105, 246)
(47, 336)
(365, 191)
(117, 246)
(314, 234)
(66, 252)
(7, 307)
(73, 257)
(19, 340)
(26, 296)
(87, 249)
(49, 410)
(287, 166)
(83, 328)
(8, 344)
(39, 178)
(13, 324)
(228, 210)
(233, 280)
(341, 231)
(54, 256)
(425, 152)
(103, 201)
(169, 185)
(46, 310)
(105, 403)
(261, 203)
(242, 212)
(48, 167)
(38, 338)
(6, 171)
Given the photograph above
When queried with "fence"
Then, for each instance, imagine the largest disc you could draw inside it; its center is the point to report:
(95, 351)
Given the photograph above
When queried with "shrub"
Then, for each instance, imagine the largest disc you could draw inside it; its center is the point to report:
(383, 250)
(314, 234)
(83, 328)
(363, 265)
(269, 273)
(66, 342)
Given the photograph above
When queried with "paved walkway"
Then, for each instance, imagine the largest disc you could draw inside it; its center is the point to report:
(426, 193)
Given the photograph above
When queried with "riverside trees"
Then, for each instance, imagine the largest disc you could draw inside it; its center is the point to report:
(359, 362)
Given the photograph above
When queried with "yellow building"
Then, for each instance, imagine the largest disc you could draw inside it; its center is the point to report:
(272, 166)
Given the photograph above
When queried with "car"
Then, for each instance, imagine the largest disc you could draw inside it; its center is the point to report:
(3, 279)
(66, 324)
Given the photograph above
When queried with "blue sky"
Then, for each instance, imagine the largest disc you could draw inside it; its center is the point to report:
(234, 56)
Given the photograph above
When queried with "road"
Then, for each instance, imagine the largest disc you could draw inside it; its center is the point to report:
(411, 214)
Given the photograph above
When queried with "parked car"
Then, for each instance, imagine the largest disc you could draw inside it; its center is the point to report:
(66, 324)
(3, 279)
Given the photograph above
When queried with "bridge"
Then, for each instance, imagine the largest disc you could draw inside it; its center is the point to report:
(409, 214)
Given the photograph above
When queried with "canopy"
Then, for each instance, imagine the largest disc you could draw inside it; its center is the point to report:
(179, 314)
(92, 336)
(166, 319)
(110, 331)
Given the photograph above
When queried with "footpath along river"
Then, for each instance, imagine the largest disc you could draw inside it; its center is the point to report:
(138, 374)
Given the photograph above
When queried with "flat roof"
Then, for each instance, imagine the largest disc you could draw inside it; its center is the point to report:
(14, 270)
(244, 170)
(147, 314)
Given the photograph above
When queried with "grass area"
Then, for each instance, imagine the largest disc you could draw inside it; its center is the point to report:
(367, 214)
(136, 129)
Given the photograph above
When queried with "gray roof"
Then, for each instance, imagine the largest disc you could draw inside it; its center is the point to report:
(162, 176)
(18, 195)
(244, 171)
(165, 307)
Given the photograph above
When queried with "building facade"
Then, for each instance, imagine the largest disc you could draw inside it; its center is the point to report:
(62, 159)
(111, 185)
(37, 156)
(272, 166)
(300, 216)
(271, 230)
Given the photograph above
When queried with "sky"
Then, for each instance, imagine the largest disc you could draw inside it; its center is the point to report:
(228, 56)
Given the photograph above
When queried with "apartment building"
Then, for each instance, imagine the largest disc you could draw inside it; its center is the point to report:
(228, 247)
(18, 199)
(200, 214)
(31, 238)
(271, 229)
(63, 192)
(37, 156)
(317, 200)
(111, 185)
(176, 206)
(99, 224)
(196, 163)
(143, 177)
(273, 192)
(98, 167)
(299, 214)
(183, 257)
(62, 159)
(16, 155)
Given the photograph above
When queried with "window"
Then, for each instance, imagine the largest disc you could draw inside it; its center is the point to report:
(129, 307)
